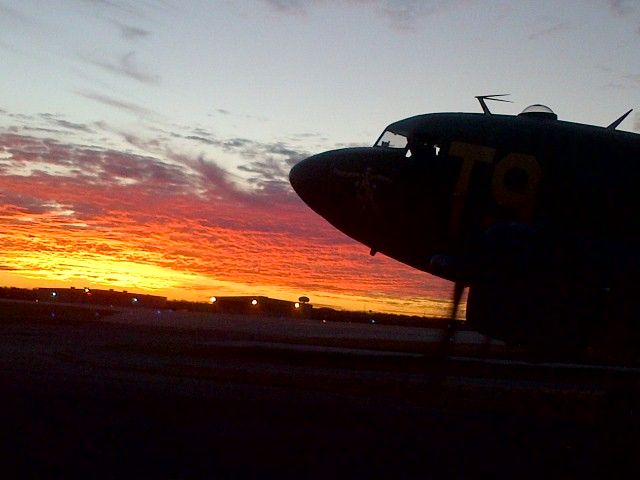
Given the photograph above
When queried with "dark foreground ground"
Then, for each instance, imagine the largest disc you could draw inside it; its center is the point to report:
(175, 395)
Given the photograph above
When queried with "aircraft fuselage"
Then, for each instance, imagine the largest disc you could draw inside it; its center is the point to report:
(475, 171)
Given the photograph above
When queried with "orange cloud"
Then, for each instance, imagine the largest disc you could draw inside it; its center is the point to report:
(177, 225)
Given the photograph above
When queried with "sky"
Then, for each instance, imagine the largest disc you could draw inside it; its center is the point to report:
(145, 145)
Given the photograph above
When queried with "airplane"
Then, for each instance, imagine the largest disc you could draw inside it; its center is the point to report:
(538, 217)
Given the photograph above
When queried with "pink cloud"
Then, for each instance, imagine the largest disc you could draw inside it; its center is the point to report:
(182, 214)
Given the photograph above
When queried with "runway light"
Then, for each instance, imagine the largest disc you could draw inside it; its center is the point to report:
(254, 302)
(297, 304)
(213, 299)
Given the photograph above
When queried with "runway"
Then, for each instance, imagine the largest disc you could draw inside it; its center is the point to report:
(161, 394)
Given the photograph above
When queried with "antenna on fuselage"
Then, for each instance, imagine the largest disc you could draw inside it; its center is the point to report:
(482, 98)
(615, 124)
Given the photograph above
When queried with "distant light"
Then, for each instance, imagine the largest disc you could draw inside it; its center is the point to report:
(297, 304)
(134, 300)
(324, 321)
(373, 321)
(254, 302)
(54, 294)
(213, 299)
(86, 290)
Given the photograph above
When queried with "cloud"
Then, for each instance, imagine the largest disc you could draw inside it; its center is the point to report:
(306, 135)
(202, 139)
(130, 32)
(254, 149)
(270, 164)
(251, 149)
(267, 164)
(92, 165)
(215, 180)
(71, 213)
(66, 124)
(123, 7)
(22, 202)
(126, 66)
(73, 126)
(401, 14)
(634, 78)
(547, 31)
(622, 8)
(262, 166)
(109, 187)
(404, 14)
(119, 104)
(620, 80)
(627, 9)
(269, 176)
(289, 7)
(13, 14)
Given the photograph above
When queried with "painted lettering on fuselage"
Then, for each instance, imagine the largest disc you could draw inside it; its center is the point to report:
(517, 196)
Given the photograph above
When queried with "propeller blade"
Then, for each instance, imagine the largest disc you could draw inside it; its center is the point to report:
(447, 339)
(458, 290)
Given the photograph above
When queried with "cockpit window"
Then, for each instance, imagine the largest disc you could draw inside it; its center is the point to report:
(391, 140)
(425, 148)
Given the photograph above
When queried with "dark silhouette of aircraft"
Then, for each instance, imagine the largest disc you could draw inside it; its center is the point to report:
(539, 217)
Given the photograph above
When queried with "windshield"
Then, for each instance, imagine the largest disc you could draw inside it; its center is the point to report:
(391, 140)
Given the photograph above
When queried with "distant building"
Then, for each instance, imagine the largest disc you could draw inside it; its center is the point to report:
(15, 293)
(260, 305)
(246, 305)
(100, 297)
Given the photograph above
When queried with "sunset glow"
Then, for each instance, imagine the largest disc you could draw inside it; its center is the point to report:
(80, 223)
(139, 156)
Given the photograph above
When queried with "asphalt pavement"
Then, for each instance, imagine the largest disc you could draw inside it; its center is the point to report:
(160, 394)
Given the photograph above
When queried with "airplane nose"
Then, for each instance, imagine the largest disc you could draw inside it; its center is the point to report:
(336, 185)
(298, 176)
(309, 178)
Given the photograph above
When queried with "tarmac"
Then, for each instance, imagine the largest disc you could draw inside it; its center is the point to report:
(160, 394)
